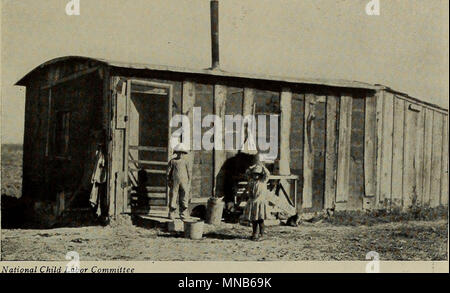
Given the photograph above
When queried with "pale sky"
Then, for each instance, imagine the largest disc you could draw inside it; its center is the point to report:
(406, 47)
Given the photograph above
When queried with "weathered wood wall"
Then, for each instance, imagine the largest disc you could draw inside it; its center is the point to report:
(75, 87)
(412, 159)
(352, 149)
(357, 190)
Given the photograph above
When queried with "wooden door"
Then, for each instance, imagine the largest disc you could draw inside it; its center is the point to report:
(147, 150)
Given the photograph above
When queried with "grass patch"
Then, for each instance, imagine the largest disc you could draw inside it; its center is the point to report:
(11, 170)
(369, 218)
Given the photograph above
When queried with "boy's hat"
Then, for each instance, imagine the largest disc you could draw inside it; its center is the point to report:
(180, 148)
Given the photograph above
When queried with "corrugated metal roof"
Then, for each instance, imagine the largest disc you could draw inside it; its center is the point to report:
(217, 73)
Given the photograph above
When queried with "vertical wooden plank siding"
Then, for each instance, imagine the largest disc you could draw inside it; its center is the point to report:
(379, 143)
(331, 154)
(112, 150)
(308, 155)
(419, 163)
(356, 199)
(187, 103)
(428, 142)
(285, 152)
(436, 160)
(203, 172)
(296, 143)
(117, 150)
(118, 171)
(247, 103)
(120, 145)
(121, 105)
(106, 97)
(409, 156)
(285, 133)
(386, 149)
(319, 147)
(220, 96)
(188, 99)
(126, 199)
(107, 128)
(397, 152)
(444, 174)
(343, 171)
(370, 144)
(49, 116)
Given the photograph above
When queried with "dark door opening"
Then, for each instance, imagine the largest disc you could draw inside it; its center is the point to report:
(147, 144)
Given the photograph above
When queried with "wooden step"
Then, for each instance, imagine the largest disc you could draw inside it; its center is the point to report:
(158, 202)
(160, 209)
(145, 162)
(147, 148)
(156, 188)
(150, 171)
(152, 196)
(156, 195)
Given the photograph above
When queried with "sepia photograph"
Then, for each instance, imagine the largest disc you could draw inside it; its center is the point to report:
(241, 131)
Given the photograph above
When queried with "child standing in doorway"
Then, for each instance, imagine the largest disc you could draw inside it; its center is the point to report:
(256, 210)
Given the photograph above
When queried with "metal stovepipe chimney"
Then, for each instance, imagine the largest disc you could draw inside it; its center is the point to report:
(215, 34)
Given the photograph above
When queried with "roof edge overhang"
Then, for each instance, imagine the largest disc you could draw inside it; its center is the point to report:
(337, 83)
(207, 72)
(408, 97)
(23, 80)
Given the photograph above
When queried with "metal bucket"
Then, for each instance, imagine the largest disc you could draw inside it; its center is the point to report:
(214, 211)
(193, 230)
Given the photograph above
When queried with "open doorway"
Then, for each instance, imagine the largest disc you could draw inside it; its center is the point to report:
(147, 144)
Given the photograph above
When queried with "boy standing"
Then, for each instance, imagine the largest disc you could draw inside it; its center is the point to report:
(179, 179)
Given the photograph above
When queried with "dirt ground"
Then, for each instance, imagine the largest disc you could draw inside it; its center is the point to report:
(344, 237)
(413, 240)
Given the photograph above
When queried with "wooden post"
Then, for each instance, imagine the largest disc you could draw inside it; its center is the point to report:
(386, 149)
(285, 132)
(188, 99)
(220, 97)
(444, 174)
(1, 213)
(308, 154)
(436, 160)
(120, 158)
(397, 152)
(419, 163)
(331, 155)
(427, 151)
(116, 159)
(247, 104)
(187, 103)
(379, 143)
(107, 104)
(409, 153)
(370, 143)
(116, 146)
(106, 97)
(343, 172)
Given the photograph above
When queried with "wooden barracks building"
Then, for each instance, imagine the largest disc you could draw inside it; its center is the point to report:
(351, 145)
